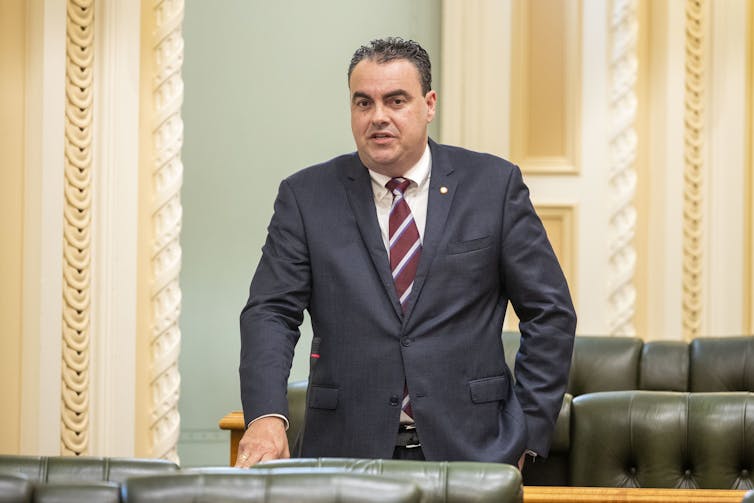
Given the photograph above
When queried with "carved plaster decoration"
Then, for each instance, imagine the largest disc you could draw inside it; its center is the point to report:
(622, 172)
(693, 182)
(166, 214)
(74, 430)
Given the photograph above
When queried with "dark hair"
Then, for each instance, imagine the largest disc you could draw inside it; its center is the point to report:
(383, 50)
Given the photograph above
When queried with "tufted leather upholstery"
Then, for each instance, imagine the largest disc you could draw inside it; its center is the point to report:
(663, 439)
(438, 481)
(14, 489)
(238, 485)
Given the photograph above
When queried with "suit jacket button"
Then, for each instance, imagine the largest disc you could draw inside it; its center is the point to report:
(395, 400)
(405, 341)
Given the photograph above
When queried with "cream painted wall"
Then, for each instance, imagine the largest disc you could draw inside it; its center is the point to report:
(265, 95)
(12, 69)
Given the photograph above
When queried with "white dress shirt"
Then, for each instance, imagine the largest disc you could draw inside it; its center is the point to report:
(416, 195)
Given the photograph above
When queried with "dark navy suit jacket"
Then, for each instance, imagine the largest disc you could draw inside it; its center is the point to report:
(483, 246)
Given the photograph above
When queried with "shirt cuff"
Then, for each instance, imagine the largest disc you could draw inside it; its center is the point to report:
(285, 420)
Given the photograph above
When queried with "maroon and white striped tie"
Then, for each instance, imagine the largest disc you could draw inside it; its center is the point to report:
(405, 250)
(405, 245)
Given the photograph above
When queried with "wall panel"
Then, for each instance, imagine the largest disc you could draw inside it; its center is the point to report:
(545, 98)
(12, 68)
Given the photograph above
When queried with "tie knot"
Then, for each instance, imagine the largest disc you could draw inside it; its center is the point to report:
(399, 185)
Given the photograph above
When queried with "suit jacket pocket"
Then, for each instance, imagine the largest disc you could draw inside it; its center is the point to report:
(489, 389)
(456, 247)
(321, 397)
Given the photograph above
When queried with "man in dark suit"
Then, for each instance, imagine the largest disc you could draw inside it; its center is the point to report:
(405, 253)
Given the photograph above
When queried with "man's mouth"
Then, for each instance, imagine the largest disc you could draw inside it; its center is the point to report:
(381, 136)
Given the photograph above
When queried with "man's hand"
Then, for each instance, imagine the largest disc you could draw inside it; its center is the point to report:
(264, 440)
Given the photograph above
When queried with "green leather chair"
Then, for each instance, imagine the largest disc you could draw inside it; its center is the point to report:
(722, 364)
(664, 366)
(14, 489)
(231, 485)
(74, 479)
(663, 439)
(440, 481)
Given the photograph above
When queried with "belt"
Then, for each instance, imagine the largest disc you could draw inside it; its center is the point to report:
(408, 437)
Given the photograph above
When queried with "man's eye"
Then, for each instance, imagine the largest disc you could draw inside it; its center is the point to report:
(398, 101)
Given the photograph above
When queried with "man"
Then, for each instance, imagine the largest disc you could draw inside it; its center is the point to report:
(405, 253)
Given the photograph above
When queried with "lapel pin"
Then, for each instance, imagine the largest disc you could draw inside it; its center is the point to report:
(443, 190)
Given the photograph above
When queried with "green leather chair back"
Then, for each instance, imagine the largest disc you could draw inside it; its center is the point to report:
(296, 411)
(664, 366)
(602, 363)
(14, 488)
(439, 481)
(663, 439)
(72, 479)
(254, 486)
(77, 492)
(81, 469)
(722, 364)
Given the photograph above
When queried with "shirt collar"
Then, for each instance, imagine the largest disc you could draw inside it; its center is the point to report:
(418, 175)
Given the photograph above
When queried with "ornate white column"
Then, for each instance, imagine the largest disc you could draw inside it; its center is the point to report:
(622, 175)
(166, 214)
(693, 181)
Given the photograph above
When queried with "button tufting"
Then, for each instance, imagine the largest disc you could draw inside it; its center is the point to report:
(632, 470)
(744, 473)
(687, 473)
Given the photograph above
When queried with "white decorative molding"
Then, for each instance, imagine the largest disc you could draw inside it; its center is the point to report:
(693, 182)
(167, 177)
(74, 433)
(622, 170)
(114, 232)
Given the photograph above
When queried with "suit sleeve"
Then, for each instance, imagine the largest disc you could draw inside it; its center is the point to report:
(270, 321)
(537, 289)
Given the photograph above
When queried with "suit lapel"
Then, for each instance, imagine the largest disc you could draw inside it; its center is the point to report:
(358, 186)
(441, 190)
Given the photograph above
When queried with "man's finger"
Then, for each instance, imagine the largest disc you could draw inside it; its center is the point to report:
(242, 460)
(268, 456)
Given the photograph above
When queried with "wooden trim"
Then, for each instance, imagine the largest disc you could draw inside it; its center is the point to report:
(233, 422)
(536, 494)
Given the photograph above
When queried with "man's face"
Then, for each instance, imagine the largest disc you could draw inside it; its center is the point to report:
(389, 115)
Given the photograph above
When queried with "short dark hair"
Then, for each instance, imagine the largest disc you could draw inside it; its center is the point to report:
(383, 50)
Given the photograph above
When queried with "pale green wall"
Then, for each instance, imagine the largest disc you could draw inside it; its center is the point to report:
(265, 95)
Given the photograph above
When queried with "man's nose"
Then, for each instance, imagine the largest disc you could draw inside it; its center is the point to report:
(380, 116)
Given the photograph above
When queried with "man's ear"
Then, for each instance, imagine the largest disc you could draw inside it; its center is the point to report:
(431, 100)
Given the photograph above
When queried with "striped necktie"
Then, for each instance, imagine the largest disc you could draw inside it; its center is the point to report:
(405, 245)
(405, 250)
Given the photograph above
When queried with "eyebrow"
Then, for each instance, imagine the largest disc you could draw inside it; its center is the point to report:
(391, 94)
